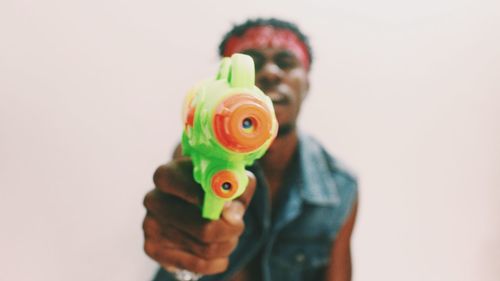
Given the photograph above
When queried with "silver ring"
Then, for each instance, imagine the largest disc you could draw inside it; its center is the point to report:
(186, 275)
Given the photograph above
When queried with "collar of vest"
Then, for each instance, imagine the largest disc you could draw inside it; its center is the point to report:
(317, 169)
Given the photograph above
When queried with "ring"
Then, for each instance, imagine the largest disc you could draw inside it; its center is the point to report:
(185, 275)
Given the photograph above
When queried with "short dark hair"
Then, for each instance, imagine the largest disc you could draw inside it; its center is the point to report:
(239, 30)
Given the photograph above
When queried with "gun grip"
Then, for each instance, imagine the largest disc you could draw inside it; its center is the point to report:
(212, 206)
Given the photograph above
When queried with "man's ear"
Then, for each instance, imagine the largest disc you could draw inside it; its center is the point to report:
(306, 88)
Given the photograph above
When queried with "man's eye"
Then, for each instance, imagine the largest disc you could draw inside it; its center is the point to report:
(286, 62)
(259, 62)
(257, 57)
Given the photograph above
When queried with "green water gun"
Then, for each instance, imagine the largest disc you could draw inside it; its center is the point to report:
(228, 124)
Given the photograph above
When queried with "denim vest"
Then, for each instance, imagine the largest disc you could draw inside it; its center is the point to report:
(293, 241)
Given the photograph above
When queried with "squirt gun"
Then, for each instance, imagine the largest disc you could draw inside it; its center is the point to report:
(228, 124)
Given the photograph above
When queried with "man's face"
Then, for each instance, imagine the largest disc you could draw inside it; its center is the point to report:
(281, 76)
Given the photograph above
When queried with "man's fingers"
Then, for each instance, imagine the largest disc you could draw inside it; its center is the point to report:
(175, 258)
(174, 238)
(233, 211)
(176, 178)
(171, 212)
(175, 233)
(214, 250)
(246, 197)
(151, 228)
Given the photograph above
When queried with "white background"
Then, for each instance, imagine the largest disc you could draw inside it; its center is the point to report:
(406, 93)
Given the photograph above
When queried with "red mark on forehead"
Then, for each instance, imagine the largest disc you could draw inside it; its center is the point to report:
(268, 37)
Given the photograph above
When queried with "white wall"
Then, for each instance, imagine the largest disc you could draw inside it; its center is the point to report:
(407, 93)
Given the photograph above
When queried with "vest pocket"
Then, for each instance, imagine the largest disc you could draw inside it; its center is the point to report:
(300, 260)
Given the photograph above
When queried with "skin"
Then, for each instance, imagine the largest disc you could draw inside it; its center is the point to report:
(281, 76)
(175, 234)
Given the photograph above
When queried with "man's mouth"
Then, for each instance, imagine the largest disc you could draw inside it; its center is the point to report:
(278, 98)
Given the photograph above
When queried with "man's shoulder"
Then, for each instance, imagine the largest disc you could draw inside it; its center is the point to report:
(312, 146)
(327, 182)
(317, 158)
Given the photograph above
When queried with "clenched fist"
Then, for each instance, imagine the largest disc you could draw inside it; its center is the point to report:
(176, 235)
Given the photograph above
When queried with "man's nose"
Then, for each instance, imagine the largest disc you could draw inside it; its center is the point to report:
(269, 76)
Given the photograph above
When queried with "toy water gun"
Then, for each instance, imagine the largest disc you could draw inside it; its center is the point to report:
(228, 124)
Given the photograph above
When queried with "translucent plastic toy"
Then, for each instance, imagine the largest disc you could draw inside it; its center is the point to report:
(228, 124)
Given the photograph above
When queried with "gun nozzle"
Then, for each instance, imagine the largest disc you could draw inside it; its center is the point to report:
(243, 123)
(224, 184)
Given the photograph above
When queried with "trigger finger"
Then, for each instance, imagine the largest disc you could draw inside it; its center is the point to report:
(246, 197)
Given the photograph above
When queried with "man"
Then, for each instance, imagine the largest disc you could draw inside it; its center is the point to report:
(294, 221)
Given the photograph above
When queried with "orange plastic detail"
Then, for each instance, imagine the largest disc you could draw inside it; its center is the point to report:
(242, 123)
(224, 184)
(188, 109)
(190, 116)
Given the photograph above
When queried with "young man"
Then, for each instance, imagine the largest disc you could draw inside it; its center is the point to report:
(295, 220)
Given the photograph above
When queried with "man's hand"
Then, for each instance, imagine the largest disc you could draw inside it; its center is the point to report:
(176, 235)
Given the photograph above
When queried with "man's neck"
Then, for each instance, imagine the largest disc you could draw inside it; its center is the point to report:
(277, 159)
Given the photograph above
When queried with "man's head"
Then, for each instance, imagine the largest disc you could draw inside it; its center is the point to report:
(282, 57)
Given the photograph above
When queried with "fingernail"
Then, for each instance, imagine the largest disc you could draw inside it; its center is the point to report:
(234, 212)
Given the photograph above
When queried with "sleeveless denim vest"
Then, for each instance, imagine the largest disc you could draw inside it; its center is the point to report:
(293, 241)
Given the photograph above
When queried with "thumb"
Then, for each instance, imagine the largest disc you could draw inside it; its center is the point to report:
(233, 212)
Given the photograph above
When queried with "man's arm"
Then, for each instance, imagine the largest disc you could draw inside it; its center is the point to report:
(339, 268)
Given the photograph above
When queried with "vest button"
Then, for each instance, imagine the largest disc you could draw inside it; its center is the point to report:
(300, 257)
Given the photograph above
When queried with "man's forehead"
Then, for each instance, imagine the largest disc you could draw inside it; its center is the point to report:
(264, 37)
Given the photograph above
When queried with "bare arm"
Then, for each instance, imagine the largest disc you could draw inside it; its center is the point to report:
(340, 268)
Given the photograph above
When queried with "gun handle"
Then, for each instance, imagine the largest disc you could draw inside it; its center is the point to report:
(212, 206)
